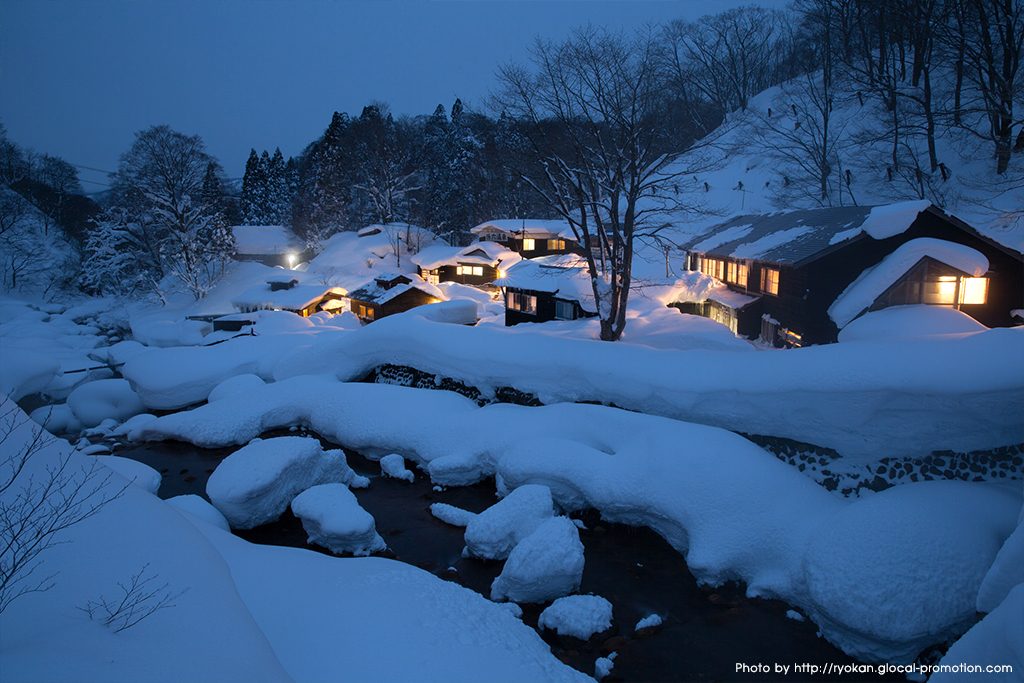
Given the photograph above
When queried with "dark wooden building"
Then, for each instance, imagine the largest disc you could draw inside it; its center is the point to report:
(283, 293)
(548, 288)
(477, 265)
(390, 293)
(806, 274)
(529, 237)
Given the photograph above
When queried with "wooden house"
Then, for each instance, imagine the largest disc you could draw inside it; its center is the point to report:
(391, 293)
(547, 288)
(283, 293)
(796, 278)
(529, 238)
(478, 264)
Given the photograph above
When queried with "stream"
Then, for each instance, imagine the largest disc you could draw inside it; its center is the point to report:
(705, 634)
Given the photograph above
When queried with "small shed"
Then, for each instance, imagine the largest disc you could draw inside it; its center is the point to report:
(391, 293)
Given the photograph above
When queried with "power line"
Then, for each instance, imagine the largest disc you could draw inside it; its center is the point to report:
(90, 168)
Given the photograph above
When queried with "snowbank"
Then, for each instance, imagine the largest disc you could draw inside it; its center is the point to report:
(492, 534)
(909, 321)
(1006, 571)
(140, 474)
(900, 397)
(24, 372)
(332, 517)
(255, 484)
(545, 565)
(579, 616)
(394, 466)
(998, 639)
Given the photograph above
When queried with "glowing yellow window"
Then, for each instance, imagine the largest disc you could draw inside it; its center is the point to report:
(741, 278)
(770, 281)
(529, 244)
(973, 290)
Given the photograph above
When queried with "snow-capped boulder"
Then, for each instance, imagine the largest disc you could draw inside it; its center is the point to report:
(57, 419)
(493, 533)
(579, 616)
(97, 401)
(394, 466)
(255, 484)
(449, 514)
(24, 372)
(234, 385)
(546, 565)
(333, 518)
(1006, 571)
(998, 639)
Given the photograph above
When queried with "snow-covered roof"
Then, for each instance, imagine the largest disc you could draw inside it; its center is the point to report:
(696, 287)
(285, 277)
(873, 282)
(483, 253)
(266, 239)
(527, 228)
(294, 299)
(799, 236)
(564, 275)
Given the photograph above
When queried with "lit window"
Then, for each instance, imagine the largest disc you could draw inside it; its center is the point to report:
(458, 270)
(556, 244)
(730, 272)
(478, 270)
(369, 313)
(741, 278)
(940, 292)
(770, 281)
(529, 244)
(973, 290)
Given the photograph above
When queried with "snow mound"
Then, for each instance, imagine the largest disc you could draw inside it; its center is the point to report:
(579, 616)
(998, 639)
(132, 423)
(24, 372)
(875, 604)
(255, 484)
(449, 514)
(603, 666)
(103, 399)
(332, 517)
(493, 533)
(1006, 571)
(234, 385)
(909, 321)
(394, 466)
(140, 474)
(462, 312)
(546, 565)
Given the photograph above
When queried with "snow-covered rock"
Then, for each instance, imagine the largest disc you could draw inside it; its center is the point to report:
(140, 474)
(234, 385)
(579, 616)
(255, 484)
(546, 565)
(200, 507)
(603, 665)
(449, 514)
(132, 423)
(493, 533)
(868, 599)
(650, 621)
(24, 372)
(393, 466)
(57, 419)
(97, 401)
(332, 517)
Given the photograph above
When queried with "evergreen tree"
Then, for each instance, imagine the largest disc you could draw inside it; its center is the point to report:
(277, 190)
(251, 182)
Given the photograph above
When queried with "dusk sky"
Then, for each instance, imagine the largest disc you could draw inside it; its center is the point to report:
(78, 78)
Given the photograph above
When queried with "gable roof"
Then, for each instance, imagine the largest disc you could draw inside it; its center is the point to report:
(800, 236)
(294, 299)
(373, 293)
(562, 275)
(482, 253)
(527, 227)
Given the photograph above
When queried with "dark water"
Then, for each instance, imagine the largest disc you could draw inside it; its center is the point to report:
(706, 632)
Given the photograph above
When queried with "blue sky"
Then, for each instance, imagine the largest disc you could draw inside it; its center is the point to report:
(78, 78)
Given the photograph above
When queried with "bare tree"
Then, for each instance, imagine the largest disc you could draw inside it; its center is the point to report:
(610, 144)
(39, 501)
